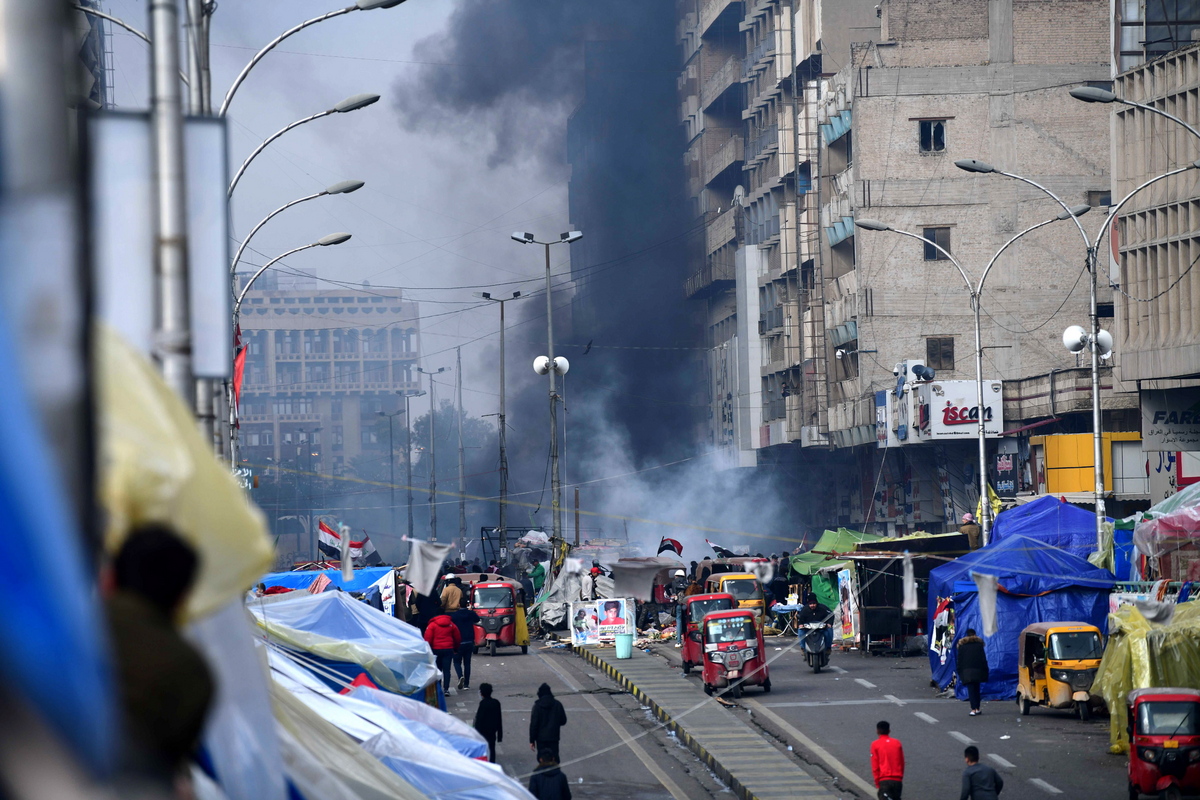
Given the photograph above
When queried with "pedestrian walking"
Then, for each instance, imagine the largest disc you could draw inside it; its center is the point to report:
(452, 594)
(887, 763)
(488, 720)
(546, 721)
(465, 620)
(979, 781)
(548, 781)
(971, 528)
(444, 639)
(971, 661)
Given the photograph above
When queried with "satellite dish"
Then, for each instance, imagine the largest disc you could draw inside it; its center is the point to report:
(541, 365)
(1075, 339)
(739, 196)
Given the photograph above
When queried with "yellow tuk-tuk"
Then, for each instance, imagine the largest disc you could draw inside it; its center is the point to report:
(745, 588)
(1056, 665)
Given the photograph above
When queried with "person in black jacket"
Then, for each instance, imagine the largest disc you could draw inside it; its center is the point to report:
(545, 722)
(548, 781)
(979, 781)
(971, 662)
(488, 720)
(465, 619)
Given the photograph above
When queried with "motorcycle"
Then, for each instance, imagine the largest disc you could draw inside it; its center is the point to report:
(816, 651)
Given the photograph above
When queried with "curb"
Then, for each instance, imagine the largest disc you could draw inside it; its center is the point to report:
(698, 749)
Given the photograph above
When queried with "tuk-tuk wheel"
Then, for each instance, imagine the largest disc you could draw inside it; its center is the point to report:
(1134, 794)
(708, 690)
(1023, 704)
(686, 668)
(767, 686)
(1172, 793)
(1084, 709)
(735, 691)
(492, 648)
(524, 649)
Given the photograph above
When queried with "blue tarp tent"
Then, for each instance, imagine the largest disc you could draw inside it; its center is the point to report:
(1037, 583)
(1051, 521)
(364, 577)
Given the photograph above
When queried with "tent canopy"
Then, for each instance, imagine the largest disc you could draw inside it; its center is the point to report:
(364, 578)
(1170, 525)
(1051, 521)
(1037, 583)
(843, 540)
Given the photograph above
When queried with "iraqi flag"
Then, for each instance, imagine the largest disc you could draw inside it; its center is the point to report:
(672, 545)
(362, 553)
(721, 551)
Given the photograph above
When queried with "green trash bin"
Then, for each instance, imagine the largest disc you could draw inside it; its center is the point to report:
(624, 645)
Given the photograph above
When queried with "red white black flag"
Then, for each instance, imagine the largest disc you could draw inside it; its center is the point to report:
(362, 553)
(672, 545)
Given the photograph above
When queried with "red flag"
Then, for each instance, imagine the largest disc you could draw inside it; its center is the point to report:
(239, 369)
(673, 545)
(361, 680)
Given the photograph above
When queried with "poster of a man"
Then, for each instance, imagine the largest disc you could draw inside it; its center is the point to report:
(615, 617)
(585, 624)
(613, 612)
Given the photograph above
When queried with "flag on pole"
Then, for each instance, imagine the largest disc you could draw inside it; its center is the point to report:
(239, 373)
(721, 551)
(329, 542)
(672, 545)
(424, 559)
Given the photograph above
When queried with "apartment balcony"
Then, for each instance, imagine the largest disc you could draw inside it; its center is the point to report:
(755, 58)
(287, 356)
(310, 416)
(713, 10)
(771, 322)
(724, 229)
(766, 142)
(730, 154)
(709, 279)
(721, 81)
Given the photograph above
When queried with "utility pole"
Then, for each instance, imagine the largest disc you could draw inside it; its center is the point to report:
(392, 462)
(577, 516)
(462, 486)
(172, 345)
(503, 425)
(408, 484)
(432, 449)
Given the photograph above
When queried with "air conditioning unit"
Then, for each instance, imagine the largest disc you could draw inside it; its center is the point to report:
(811, 436)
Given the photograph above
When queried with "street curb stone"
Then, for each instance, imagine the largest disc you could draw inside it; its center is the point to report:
(735, 752)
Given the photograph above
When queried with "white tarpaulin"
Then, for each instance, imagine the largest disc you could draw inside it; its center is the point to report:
(424, 564)
(634, 577)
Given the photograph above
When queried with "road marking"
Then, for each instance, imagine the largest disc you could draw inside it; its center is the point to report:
(866, 683)
(838, 670)
(818, 751)
(625, 738)
(891, 698)
(926, 717)
(1041, 784)
(461, 705)
(873, 701)
(962, 737)
(1004, 762)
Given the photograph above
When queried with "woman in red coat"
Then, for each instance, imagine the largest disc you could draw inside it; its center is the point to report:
(444, 638)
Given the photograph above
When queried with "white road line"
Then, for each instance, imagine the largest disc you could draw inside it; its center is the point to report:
(962, 737)
(873, 701)
(461, 705)
(1004, 762)
(892, 698)
(838, 670)
(630, 741)
(1041, 784)
(817, 750)
(926, 717)
(866, 683)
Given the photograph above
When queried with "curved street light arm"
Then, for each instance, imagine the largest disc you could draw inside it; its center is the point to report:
(237, 82)
(1005, 246)
(941, 250)
(1161, 113)
(1087, 243)
(1112, 212)
(237, 307)
(237, 177)
(242, 247)
(123, 24)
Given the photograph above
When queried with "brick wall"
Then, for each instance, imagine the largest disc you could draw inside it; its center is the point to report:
(1060, 31)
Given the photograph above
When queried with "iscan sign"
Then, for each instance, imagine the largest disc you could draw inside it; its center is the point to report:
(950, 410)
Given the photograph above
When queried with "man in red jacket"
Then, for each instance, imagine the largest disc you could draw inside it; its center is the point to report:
(444, 639)
(887, 763)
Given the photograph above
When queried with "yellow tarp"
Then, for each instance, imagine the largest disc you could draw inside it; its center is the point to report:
(156, 467)
(1141, 654)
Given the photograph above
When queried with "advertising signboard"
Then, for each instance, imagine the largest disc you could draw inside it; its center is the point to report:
(1170, 419)
(950, 410)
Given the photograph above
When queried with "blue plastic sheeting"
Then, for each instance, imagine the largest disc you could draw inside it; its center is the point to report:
(51, 618)
(336, 674)
(427, 723)
(1051, 521)
(1037, 584)
(1123, 553)
(363, 578)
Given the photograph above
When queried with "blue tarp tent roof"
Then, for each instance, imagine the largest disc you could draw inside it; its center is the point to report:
(1052, 521)
(363, 578)
(1037, 582)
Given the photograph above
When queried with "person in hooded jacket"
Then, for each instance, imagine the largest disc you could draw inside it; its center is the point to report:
(465, 619)
(548, 781)
(971, 662)
(452, 594)
(444, 639)
(545, 722)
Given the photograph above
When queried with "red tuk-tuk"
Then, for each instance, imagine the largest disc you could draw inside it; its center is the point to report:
(1164, 742)
(501, 616)
(734, 655)
(694, 609)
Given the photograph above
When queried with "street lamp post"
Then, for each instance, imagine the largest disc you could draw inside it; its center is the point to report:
(391, 466)
(432, 449)
(551, 365)
(341, 187)
(408, 484)
(976, 292)
(353, 103)
(981, 167)
(503, 429)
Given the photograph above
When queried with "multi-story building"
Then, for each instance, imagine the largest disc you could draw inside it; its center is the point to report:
(320, 367)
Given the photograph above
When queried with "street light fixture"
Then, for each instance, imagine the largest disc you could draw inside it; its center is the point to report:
(1093, 94)
(353, 103)
(558, 368)
(324, 241)
(976, 291)
(361, 5)
(503, 425)
(341, 187)
(432, 449)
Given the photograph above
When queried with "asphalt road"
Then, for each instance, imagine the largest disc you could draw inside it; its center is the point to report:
(830, 719)
(610, 742)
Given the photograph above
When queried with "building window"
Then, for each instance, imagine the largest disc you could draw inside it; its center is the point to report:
(338, 436)
(932, 135)
(1099, 198)
(939, 353)
(335, 408)
(369, 437)
(940, 237)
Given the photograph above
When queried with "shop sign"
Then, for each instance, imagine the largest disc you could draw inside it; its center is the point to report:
(1170, 419)
(950, 410)
(1005, 466)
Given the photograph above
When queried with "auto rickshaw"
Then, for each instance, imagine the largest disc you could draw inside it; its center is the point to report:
(1164, 742)
(734, 655)
(1056, 664)
(694, 609)
(501, 616)
(744, 587)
